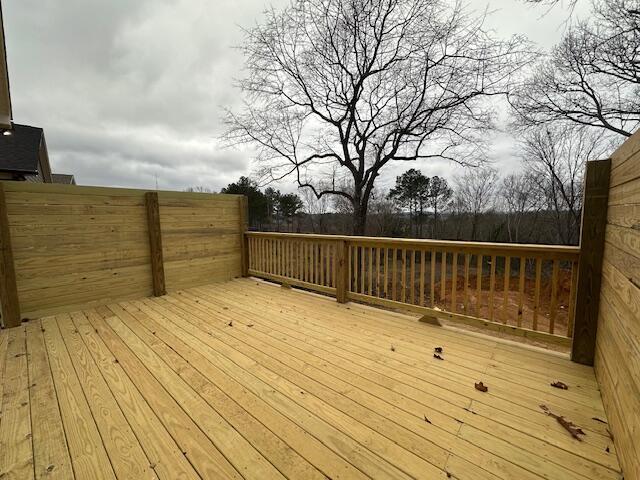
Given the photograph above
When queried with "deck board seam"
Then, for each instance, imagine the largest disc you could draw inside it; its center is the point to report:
(275, 434)
(106, 325)
(406, 325)
(75, 373)
(55, 390)
(358, 351)
(330, 388)
(555, 446)
(292, 419)
(535, 473)
(190, 388)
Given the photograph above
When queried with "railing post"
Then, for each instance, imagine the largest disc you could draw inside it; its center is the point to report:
(594, 220)
(9, 303)
(342, 272)
(244, 240)
(155, 243)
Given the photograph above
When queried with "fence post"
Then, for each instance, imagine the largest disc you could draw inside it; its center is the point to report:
(9, 303)
(244, 240)
(594, 221)
(155, 243)
(342, 272)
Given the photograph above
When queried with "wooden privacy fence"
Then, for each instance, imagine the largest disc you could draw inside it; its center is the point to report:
(527, 289)
(62, 247)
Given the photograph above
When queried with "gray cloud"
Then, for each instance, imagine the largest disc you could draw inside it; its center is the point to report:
(127, 91)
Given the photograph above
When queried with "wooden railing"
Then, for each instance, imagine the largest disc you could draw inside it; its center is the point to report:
(524, 289)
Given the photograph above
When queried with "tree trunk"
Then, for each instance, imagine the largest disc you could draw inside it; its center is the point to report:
(359, 218)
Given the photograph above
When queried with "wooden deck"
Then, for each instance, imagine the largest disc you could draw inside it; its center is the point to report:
(249, 380)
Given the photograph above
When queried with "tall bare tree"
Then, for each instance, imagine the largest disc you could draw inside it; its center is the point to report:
(475, 194)
(316, 209)
(338, 89)
(519, 193)
(592, 77)
(556, 159)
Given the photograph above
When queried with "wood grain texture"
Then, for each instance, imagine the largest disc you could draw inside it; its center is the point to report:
(155, 243)
(247, 379)
(78, 246)
(9, 304)
(617, 355)
(594, 218)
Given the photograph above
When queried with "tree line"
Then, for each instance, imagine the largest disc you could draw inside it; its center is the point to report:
(540, 203)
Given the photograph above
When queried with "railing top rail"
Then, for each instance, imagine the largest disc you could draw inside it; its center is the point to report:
(568, 252)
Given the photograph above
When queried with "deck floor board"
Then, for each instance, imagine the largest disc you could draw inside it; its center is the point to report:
(245, 379)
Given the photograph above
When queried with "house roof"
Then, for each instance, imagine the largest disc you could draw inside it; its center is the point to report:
(19, 152)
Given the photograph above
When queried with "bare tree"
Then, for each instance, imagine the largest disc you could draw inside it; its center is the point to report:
(592, 77)
(316, 208)
(338, 89)
(385, 221)
(475, 194)
(556, 158)
(198, 189)
(519, 193)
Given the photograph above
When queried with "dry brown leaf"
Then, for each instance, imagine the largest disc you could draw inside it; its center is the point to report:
(569, 426)
(481, 387)
(560, 385)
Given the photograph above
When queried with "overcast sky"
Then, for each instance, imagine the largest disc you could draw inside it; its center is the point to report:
(128, 91)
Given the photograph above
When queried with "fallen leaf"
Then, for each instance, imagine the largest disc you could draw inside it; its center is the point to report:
(560, 385)
(435, 355)
(438, 349)
(481, 386)
(569, 426)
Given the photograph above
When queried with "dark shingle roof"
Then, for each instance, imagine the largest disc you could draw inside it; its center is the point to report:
(19, 152)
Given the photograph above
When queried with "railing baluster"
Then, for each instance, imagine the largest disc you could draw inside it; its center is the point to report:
(394, 276)
(350, 264)
(378, 272)
(443, 275)
(507, 284)
(403, 275)
(320, 263)
(370, 270)
(412, 280)
(492, 286)
(362, 270)
(523, 271)
(281, 257)
(536, 300)
(290, 258)
(432, 285)
(454, 281)
(554, 296)
(467, 260)
(422, 265)
(386, 276)
(478, 284)
(314, 260)
(327, 264)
